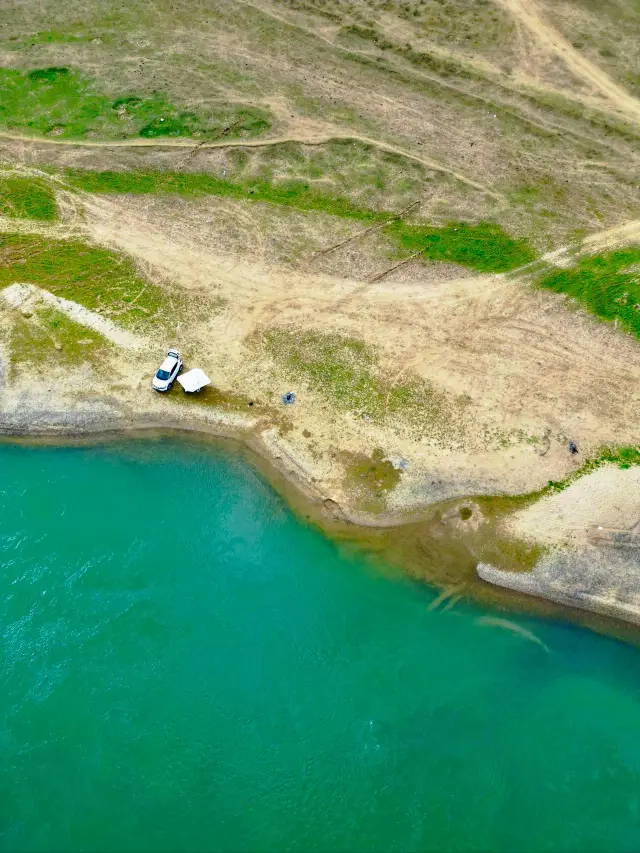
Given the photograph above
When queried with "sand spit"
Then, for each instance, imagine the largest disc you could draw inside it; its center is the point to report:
(590, 533)
(603, 582)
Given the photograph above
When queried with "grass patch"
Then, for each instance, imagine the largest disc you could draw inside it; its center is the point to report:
(497, 506)
(94, 277)
(624, 457)
(484, 247)
(518, 555)
(369, 177)
(64, 103)
(370, 479)
(340, 368)
(27, 198)
(298, 194)
(46, 37)
(48, 337)
(345, 371)
(607, 285)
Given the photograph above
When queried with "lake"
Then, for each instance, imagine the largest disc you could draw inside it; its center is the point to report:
(188, 666)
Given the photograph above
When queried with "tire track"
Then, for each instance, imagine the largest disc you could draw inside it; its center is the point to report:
(527, 13)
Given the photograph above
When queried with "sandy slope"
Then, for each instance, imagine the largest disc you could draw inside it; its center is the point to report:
(609, 497)
(591, 536)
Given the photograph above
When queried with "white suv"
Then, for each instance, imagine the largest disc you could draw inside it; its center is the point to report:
(167, 372)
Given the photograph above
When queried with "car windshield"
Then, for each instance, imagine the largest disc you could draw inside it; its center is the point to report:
(162, 374)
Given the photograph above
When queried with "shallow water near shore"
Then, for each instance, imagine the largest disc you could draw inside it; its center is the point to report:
(188, 666)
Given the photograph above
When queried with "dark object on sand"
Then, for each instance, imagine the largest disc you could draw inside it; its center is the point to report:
(573, 447)
(288, 398)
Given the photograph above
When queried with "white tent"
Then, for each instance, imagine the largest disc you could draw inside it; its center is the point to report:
(194, 380)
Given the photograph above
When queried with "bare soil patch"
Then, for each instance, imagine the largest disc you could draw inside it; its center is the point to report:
(607, 498)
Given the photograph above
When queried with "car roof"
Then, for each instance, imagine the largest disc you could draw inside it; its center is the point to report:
(168, 363)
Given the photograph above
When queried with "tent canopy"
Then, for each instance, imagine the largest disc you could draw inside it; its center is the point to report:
(194, 380)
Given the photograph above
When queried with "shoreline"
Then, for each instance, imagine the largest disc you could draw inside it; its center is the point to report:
(427, 485)
(532, 586)
(275, 466)
(425, 545)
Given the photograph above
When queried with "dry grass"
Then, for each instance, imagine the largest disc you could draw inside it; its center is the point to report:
(607, 33)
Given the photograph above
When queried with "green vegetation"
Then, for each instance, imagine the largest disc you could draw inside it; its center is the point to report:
(623, 457)
(369, 176)
(47, 337)
(358, 38)
(484, 247)
(46, 37)
(298, 194)
(96, 278)
(27, 198)
(370, 479)
(511, 554)
(497, 506)
(345, 371)
(606, 285)
(63, 102)
(340, 368)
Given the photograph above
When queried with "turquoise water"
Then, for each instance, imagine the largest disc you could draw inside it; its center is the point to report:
(185, 666)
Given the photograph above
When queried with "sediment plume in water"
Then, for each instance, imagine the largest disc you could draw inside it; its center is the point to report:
(508, 625)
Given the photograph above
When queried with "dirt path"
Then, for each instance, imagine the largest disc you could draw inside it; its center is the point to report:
(602, 241)
(625, 234)
(528, 14)
(302, 138)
